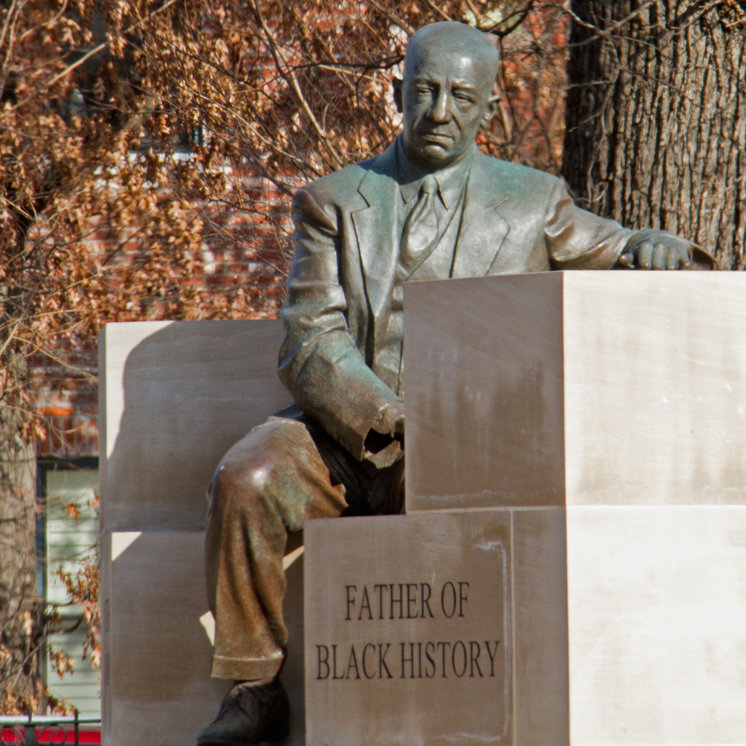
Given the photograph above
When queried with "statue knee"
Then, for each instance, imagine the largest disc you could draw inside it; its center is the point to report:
(237, 485)
(253, 474)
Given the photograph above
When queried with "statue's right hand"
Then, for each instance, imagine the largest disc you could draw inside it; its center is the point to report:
(390, 420)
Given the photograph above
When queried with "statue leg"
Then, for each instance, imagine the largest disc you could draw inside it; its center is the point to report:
(265, 486)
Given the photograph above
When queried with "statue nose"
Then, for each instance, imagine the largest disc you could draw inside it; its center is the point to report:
(439, 111)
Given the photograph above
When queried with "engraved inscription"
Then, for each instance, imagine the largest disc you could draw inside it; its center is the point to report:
(406, 659)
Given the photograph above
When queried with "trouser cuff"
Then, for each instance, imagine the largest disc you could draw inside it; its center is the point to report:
(246, 669)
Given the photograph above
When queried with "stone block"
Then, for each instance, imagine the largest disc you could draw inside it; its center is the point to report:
(576, 388)
(409, 630)
(622, 626)
(657, 625)
(157, 643)
(174, 396)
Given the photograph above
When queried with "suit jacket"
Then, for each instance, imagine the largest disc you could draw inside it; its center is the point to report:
(515, 219)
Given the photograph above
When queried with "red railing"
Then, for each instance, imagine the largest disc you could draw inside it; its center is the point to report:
(44, 729)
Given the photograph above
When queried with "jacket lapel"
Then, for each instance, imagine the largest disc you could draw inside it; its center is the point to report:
(377, 230)
(481, 236)
(483, 229)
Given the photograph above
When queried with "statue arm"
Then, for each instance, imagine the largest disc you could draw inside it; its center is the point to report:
(578, 239)
(319, 361)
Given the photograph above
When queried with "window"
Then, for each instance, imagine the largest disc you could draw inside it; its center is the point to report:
(67, 538)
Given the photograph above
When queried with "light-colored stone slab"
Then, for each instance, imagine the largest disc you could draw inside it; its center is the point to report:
(655, 388)
(174, 396)
(576, 388)
(657, 625)
(408, 630)
(156, 635)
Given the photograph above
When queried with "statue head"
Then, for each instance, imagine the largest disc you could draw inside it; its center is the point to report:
(446, 92)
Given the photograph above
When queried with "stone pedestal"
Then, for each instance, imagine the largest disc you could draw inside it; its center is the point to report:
(174, 397)
(599, 417)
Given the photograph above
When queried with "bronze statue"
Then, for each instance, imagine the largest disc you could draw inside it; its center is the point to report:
(430, 207)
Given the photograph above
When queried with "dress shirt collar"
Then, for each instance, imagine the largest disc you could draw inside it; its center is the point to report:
(450, 179)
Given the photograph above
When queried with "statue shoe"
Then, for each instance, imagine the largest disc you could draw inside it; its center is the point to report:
(248, 716)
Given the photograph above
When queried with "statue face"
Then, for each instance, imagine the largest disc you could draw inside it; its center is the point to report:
(444, 97)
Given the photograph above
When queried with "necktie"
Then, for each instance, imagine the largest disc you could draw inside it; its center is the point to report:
(421, 228)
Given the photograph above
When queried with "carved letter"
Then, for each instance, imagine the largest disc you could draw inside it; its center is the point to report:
(492, 655)
(350, 599)
(426, 590)
(365, 605)
(382, 661)
(365, 660)
(431, 668)
(451, 592)
(352, 665)
(458, 645)
(323, 658)
(463, 596)
(474, 659)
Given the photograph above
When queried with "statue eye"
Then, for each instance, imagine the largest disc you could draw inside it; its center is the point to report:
(464, 96)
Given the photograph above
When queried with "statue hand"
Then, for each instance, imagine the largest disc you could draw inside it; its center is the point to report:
(390, 420)
(655, 249)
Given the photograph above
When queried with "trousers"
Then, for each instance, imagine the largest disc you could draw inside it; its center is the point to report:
(283, 472)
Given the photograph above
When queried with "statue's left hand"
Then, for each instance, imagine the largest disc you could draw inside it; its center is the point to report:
(656, 250)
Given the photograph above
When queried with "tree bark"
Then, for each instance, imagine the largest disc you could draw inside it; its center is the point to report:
(20, 605)
(656, 118)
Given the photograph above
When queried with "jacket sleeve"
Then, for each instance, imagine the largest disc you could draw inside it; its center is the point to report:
(319, 361)
(578, 239)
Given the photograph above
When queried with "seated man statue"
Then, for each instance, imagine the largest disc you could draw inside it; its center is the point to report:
(432, 206)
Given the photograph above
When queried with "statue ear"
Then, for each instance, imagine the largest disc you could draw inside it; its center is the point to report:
(492, 105)
(397, 84)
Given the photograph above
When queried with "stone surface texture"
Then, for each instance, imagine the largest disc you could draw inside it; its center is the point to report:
(174, 397)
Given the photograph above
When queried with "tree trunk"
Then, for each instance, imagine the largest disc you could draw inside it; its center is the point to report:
(656, 118)
(20, 605)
